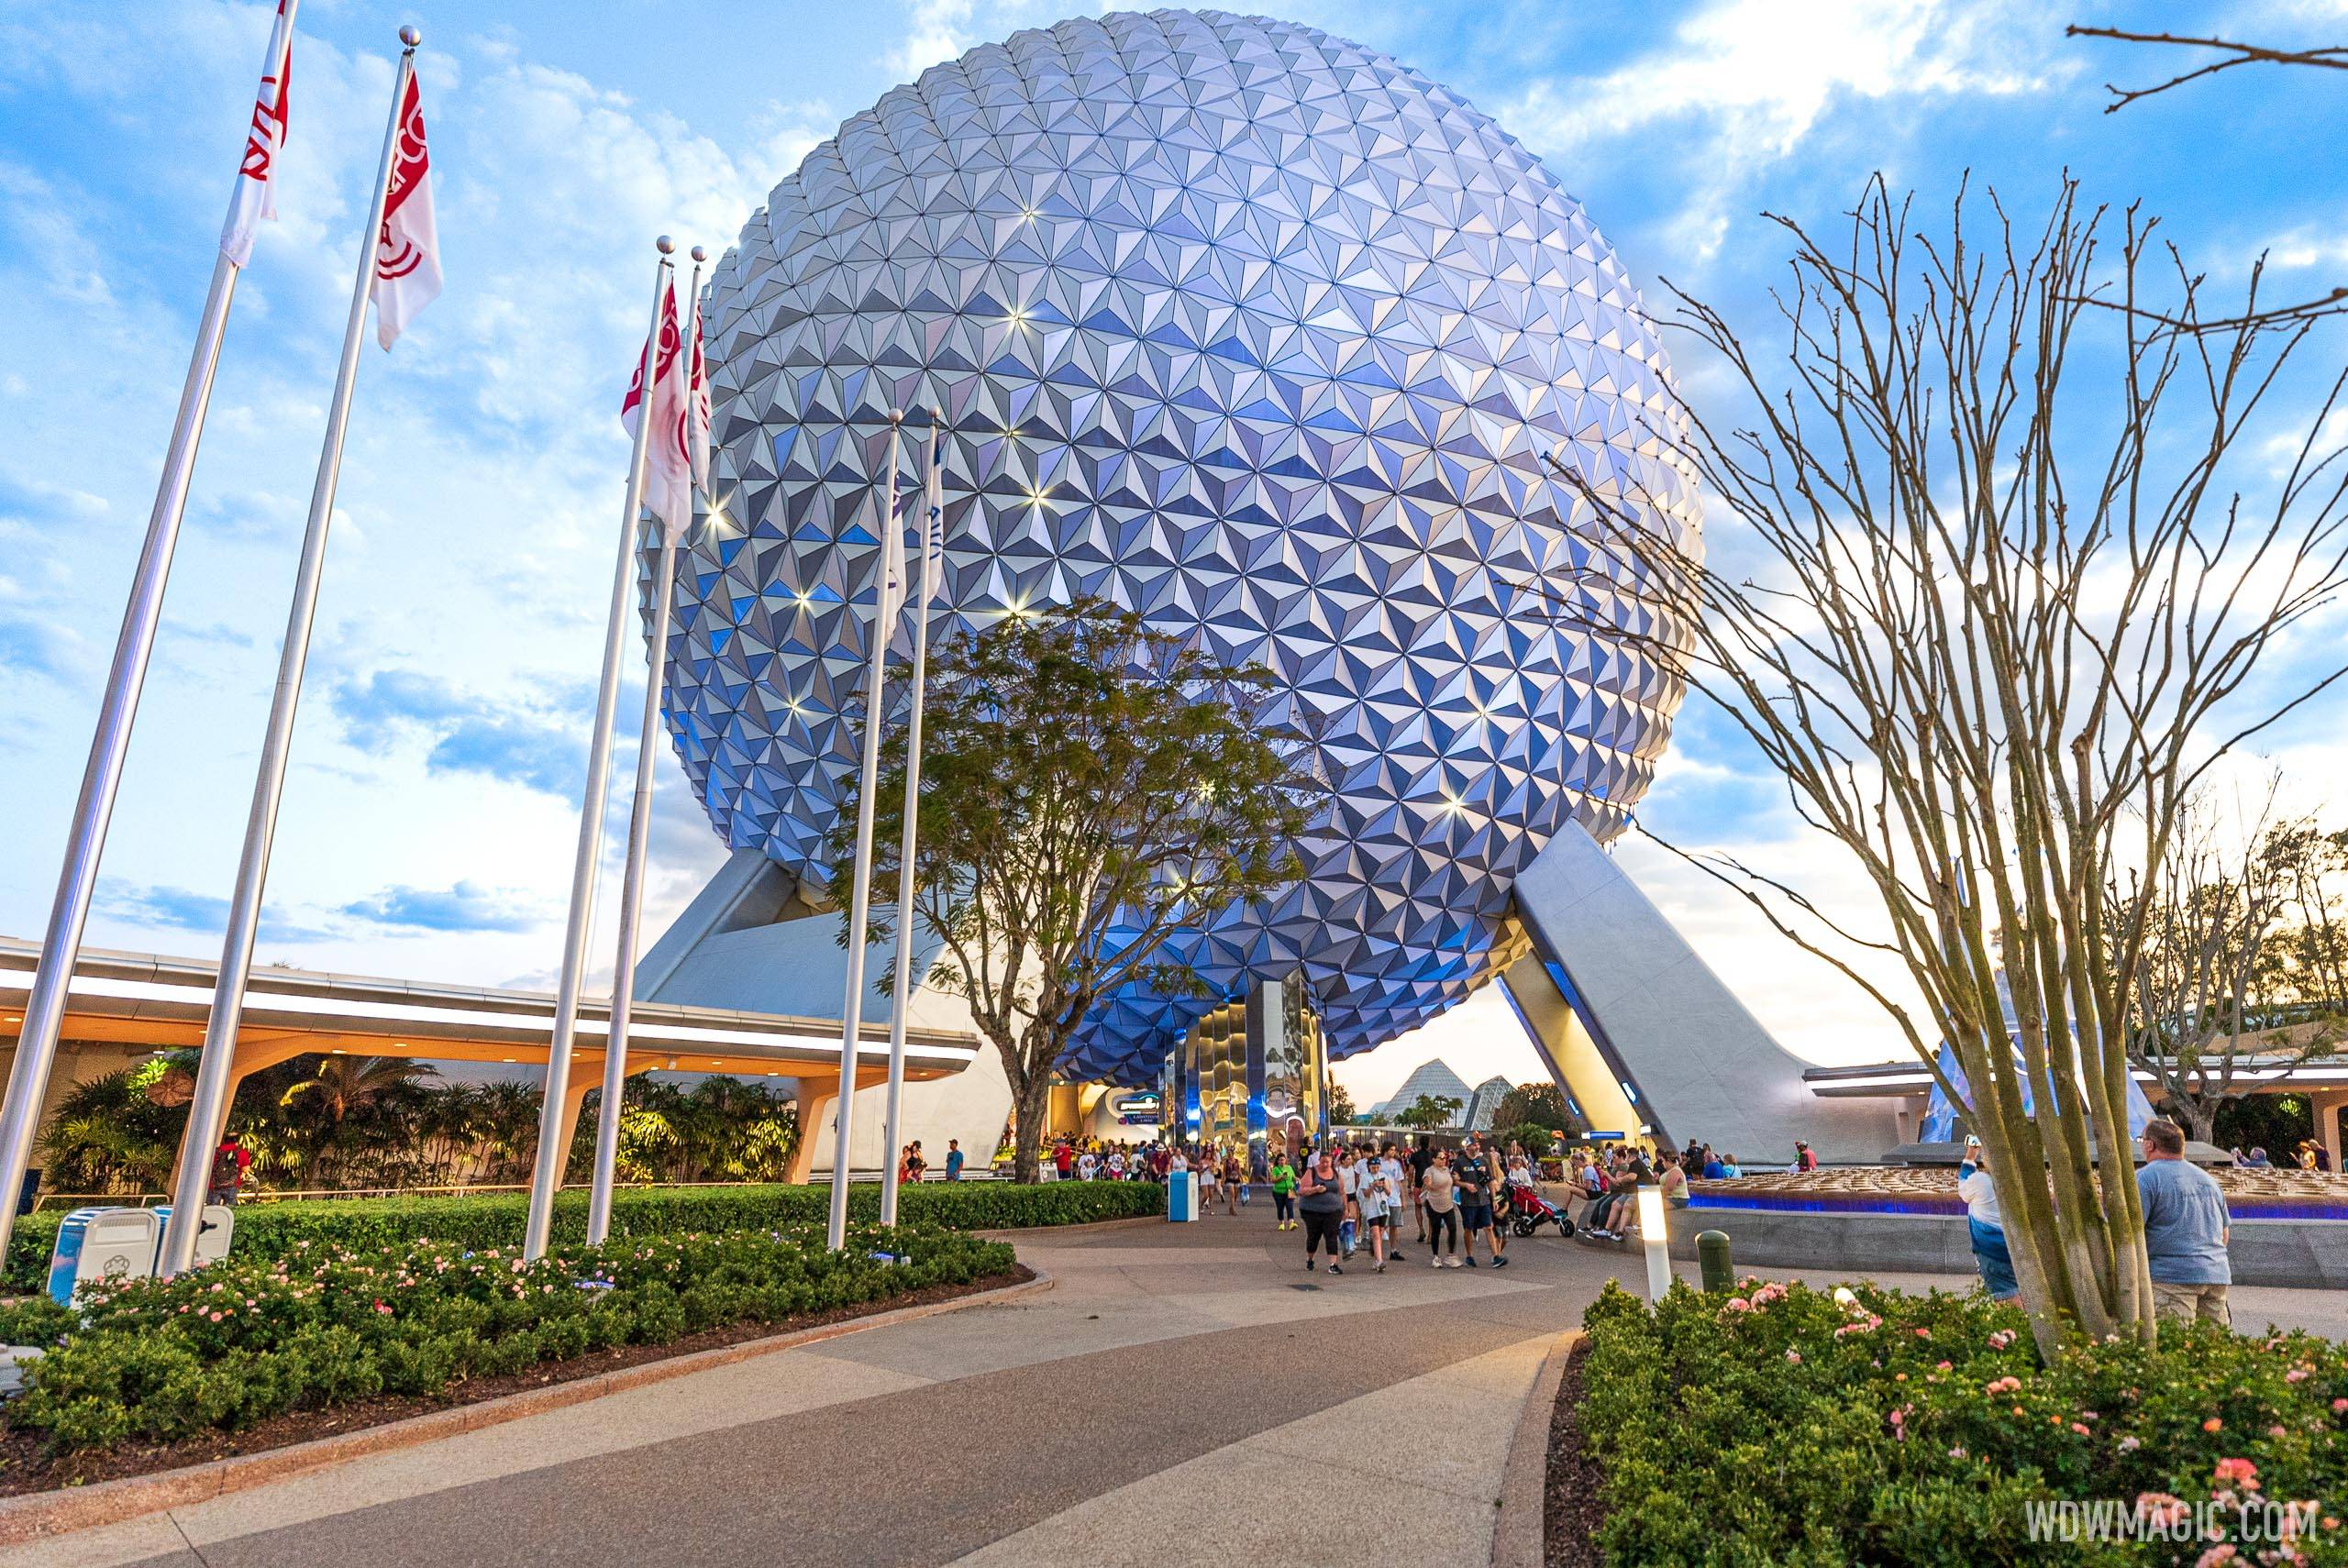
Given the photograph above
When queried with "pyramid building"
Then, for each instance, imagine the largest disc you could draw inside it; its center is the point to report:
(1432, 1076)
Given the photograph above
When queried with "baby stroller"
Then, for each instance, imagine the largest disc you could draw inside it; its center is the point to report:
(1528, 1211)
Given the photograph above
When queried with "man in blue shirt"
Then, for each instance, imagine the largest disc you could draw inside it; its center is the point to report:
(2186, 1229)
(953, 1159)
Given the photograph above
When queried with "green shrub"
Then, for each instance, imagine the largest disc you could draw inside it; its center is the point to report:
(224, 1346)
(266, 1230)
(1780, 1425)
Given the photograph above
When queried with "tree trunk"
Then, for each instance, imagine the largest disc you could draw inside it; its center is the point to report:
(1031, 1099)
(2200, 1119)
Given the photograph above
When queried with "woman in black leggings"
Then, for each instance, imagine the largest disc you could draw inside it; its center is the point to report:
(1321, 1201)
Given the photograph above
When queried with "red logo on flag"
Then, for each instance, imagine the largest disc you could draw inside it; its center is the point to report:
(268, 132)
(398, 254)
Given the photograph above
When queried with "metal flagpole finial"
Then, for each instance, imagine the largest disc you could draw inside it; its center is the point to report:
(411, 36)
(700, 254)
(666, 246)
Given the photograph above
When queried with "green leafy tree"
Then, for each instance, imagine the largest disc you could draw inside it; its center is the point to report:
(1543, 1105)
(1089, 788)
(1431, 1110)
(1341, 1106)
(1539, 1141)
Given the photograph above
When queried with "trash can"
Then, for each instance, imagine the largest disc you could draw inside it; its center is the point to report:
(1181, 1196)
(94, 1243)
(211, 1240)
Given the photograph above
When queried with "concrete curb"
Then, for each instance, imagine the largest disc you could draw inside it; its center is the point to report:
(1518, 1536)
(37, 1515)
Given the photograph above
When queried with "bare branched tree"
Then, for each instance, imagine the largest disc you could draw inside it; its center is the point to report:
(2306, 968)
(2008, 621)
(2230, 55)
(2205, 1025)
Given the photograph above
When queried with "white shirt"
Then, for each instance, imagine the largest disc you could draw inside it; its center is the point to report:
(1981, 1195)
(1398, 1181)
(1085, 1165)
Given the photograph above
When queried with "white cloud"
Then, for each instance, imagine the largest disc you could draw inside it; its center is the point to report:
(1755, 78)
(935, 31)
(938, 31)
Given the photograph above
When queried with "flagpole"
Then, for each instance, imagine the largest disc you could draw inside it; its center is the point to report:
(639, 832)
(85, 838)
(208, 1110)
(932, 546)
(545, 1173)
(859, 896)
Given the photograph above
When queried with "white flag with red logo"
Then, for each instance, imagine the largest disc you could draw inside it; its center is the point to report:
(697, 408)
(668, 480)
(407, 251)
(256, 197)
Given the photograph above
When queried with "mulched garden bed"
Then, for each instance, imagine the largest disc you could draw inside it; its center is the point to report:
(25, 1468)
(1571, 1512)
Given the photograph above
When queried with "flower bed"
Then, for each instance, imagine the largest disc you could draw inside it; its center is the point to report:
(266, 1230)
(1780, 1424)
(243, 1341)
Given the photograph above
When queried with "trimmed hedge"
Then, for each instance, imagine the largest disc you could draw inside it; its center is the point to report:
(227, 1346)
(267, 1230)
(1780, 1424)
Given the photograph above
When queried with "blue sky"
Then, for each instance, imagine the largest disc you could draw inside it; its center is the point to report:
(427, 824)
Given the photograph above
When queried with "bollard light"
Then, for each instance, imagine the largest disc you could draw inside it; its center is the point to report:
(1653, 1234)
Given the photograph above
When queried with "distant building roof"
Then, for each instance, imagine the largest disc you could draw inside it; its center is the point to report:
(1429, 1078)
(1485, 1103)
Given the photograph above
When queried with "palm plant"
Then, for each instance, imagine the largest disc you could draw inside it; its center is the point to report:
(342, 1089)
(109, 1136)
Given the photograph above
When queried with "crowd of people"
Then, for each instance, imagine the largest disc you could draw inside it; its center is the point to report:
(1351, 1195)
(1098, 1159)
(2309, 1156)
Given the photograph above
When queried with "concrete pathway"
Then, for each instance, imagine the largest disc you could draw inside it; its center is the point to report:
(1184, 1393)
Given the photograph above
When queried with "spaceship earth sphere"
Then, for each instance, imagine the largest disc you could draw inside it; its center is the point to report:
(1260, 334)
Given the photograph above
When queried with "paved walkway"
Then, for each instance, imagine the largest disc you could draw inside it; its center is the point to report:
(1183, 1394)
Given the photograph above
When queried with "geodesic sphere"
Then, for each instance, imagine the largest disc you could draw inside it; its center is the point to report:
(1256, 332)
